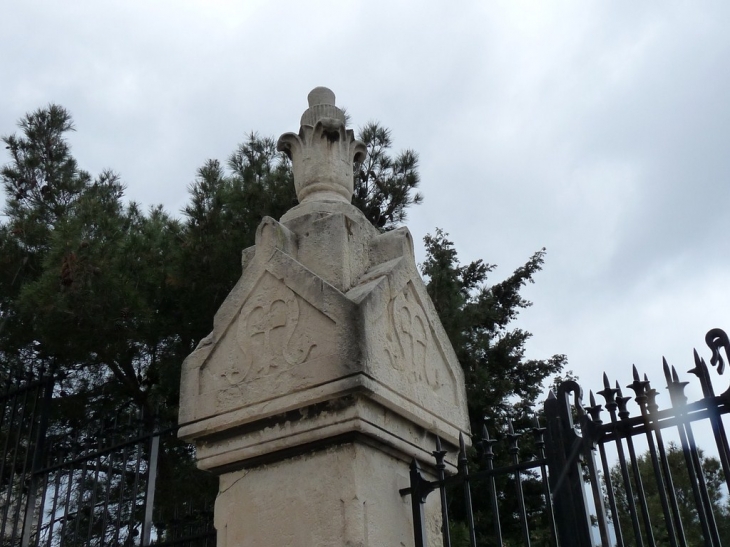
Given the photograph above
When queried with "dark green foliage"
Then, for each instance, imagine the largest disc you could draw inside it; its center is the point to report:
(221, 220)
(384, 185)
(715, 481)
(477, 318)
(114, 297)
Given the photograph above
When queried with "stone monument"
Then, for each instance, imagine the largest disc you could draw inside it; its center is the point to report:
(327, 370)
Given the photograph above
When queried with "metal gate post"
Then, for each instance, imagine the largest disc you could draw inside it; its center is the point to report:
(149, 501)
(418, 498)
(564, 446)
(38, 453)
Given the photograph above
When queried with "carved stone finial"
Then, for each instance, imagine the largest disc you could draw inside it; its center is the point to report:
(323, 152)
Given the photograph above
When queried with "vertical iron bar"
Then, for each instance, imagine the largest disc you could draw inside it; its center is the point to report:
(107, 495)
(718, 428)
(611, 496)
(591, 437)
(488, 455)
(539, 433)
(609, 395)
(595, 412)
(150, 494)
(80, 499)
(13, 408)
(109, 480)
(54, 508)
(710, 514)
(36, 401)
(464, 472)
(122, 480)
(640, 390)
(679, 400)
(94, 487)
(5, 397)
(417, 501)
(694, 483)
(135, 489)
(652, 409)
(14, 462)
(514, 451)
(67, 504)
(439, 455)
(44, 492)
(39, 451)
(624, 416)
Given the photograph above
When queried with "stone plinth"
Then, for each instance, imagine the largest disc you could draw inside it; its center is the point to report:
(327, 370)
(340, 496)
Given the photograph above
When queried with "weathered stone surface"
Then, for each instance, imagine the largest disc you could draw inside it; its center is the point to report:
(343, 496)
(327, 369)
(326, 305)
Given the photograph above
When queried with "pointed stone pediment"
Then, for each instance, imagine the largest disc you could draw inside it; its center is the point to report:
(276, 342)
(415, 349)
(282, 329)
(328, 334)
(287, 337)
(406, 346)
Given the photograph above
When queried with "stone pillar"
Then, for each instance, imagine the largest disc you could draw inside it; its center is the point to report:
(327, 370)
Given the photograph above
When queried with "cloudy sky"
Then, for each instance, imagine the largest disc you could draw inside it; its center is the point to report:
(599, 130)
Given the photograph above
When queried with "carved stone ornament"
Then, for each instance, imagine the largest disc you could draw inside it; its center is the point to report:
(323, 152)
(329, 333)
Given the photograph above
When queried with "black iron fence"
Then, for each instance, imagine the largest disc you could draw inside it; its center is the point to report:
(602, 474)
(91, 485)
(616, 473)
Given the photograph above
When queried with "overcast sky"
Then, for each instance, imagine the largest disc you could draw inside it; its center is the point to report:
(599, 130)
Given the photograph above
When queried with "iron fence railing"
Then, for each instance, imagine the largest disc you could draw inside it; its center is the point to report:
(597, 488)
(89, 485)
(495, 485)
(597, 474)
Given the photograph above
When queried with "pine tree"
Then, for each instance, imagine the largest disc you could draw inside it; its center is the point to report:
(501, 384)
(114, 297)
(477, 318)
(714, 480)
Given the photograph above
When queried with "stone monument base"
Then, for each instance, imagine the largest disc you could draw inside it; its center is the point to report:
(344, 495)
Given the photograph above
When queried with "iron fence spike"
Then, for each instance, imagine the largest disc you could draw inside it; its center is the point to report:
(606, 383)
(635, 372)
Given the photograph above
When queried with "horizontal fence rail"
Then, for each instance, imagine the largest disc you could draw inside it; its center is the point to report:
(624, 472)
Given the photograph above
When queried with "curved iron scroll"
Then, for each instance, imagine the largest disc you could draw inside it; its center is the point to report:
(564, 389)
(716, 339)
